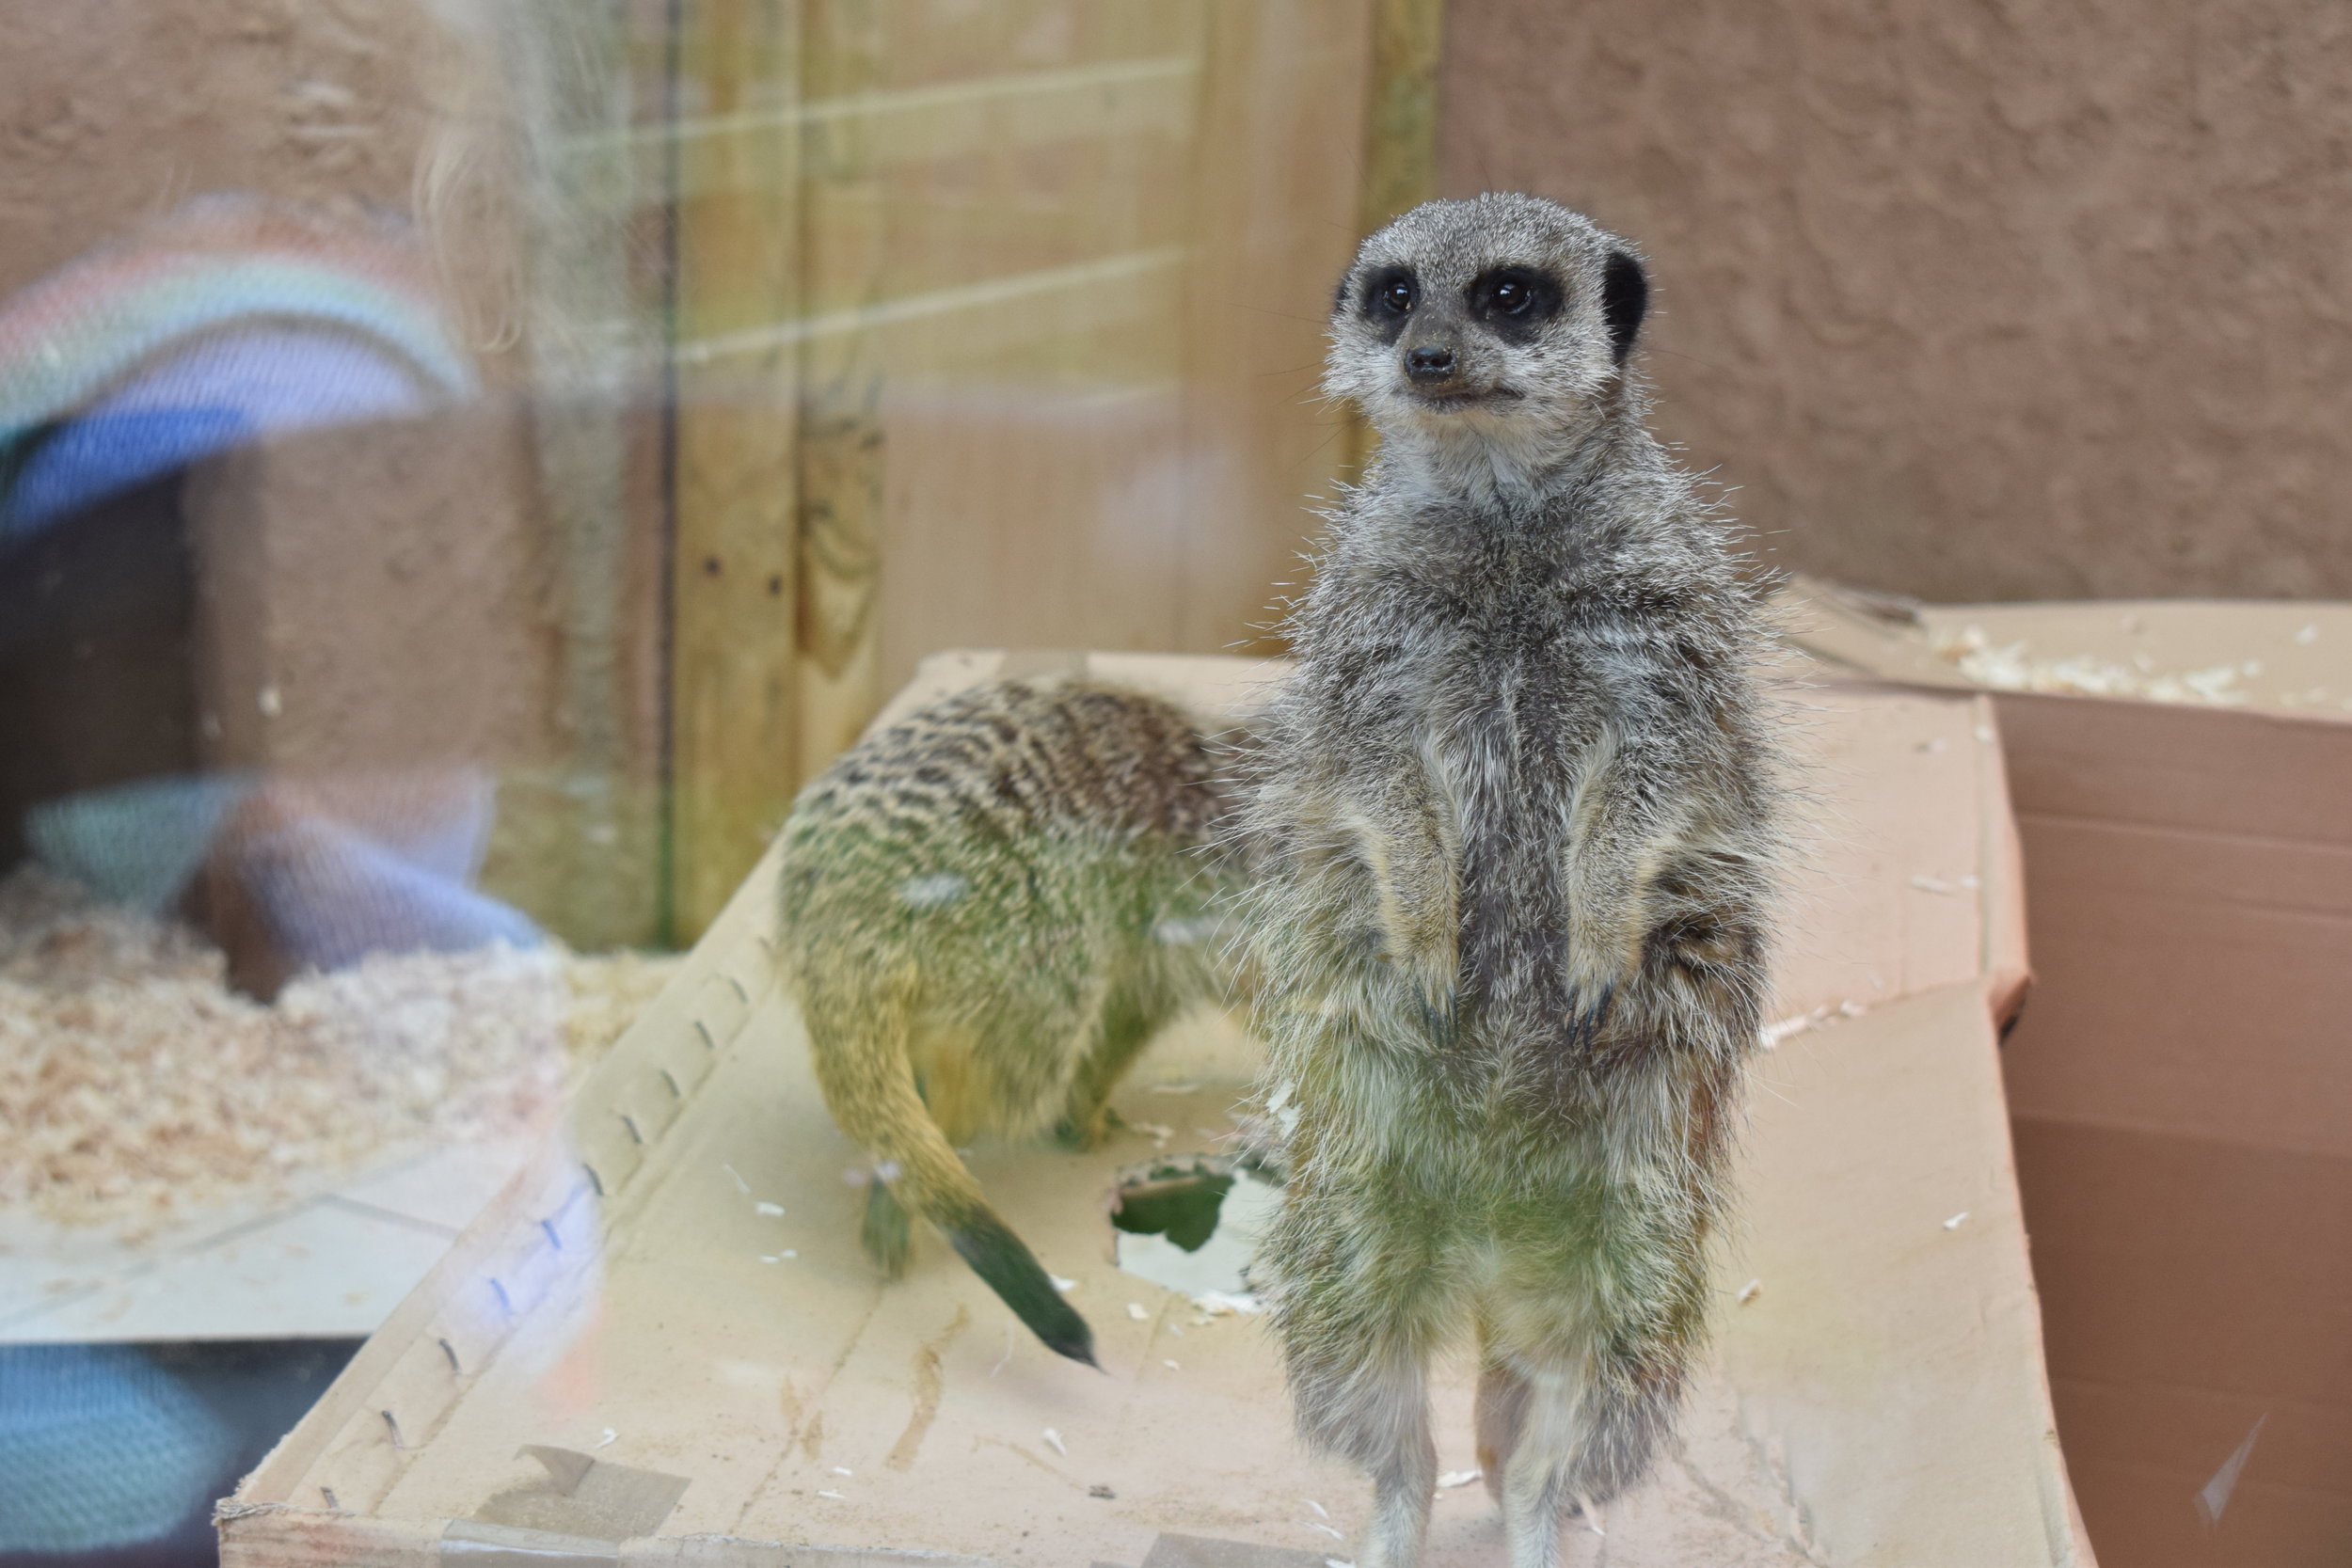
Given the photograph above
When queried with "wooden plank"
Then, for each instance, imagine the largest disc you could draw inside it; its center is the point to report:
(577, 838)
(1039, 481)
(1400, 139)
(844, 233)
(1275, 209)
(1003, 111)
(1067, 265)
(734, 721)
(1401, 118)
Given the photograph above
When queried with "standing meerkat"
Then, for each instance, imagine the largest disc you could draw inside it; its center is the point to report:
(1516, 812)
(988, 909)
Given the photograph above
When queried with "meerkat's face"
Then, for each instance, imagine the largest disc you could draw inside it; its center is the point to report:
(1503, 317)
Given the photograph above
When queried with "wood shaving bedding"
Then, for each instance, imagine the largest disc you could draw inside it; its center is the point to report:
(607, 991)
(136, 1089)
(2013, 667)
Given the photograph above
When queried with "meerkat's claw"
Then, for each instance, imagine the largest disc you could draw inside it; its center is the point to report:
(1584, 1023)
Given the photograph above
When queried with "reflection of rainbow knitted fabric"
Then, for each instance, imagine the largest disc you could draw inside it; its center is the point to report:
(221, 264)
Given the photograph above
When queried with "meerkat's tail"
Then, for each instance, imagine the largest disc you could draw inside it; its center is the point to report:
(862, 1067)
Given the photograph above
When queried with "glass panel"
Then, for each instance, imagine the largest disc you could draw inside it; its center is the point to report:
(464, 465)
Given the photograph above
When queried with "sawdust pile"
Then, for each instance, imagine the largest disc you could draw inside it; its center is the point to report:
(2013, 667)
(606, 992)
(136, 1089)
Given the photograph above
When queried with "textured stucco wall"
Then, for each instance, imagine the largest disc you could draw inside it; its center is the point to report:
(115, 112)
(390, 577)
(1969, 299)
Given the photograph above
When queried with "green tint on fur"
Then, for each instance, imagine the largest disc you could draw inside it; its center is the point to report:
(988, 912)
(1515, 843)
(1004, 1262)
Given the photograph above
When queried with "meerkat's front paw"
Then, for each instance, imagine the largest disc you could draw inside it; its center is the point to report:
(1602, 961)
(1587, 1014)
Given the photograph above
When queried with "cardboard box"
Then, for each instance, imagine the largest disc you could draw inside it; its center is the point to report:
(2181, 1082)
(662, 1344)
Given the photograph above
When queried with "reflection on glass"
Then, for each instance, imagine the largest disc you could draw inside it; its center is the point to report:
(464, 465)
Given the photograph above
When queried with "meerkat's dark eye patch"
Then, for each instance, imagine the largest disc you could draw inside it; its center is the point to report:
(1514, 301)
(1624, 300)
(1390, 294)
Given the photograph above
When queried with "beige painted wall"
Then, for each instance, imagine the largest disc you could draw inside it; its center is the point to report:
(1969, 299)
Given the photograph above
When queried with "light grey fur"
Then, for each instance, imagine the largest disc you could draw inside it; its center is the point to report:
(1514, 816)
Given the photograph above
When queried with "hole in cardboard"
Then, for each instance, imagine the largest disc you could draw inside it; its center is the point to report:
(1179, 1201)
(1190, 1225)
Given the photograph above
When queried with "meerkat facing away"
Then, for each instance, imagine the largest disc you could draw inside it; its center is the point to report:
(1515, 808)
(987, 910)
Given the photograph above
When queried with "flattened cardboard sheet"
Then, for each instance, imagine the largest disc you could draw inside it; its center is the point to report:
(2180, 1080)
(2279, 657)
(678, 1290)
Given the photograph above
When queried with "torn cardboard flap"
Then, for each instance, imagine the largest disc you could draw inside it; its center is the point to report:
(2291, 657)
(583, 1495)
(2178, 1080)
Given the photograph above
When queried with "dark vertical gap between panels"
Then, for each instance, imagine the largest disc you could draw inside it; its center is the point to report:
(673, 68)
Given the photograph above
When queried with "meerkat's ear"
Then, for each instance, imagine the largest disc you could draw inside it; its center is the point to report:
(1624, 298)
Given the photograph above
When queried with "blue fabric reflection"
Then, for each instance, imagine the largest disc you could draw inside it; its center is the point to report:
(100, 1447)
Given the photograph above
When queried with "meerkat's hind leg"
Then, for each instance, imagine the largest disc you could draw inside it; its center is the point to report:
(1499, 1413)
(1133, 1012)
(1536, 1483)
(1395, 1446)
(1363, 1395)
(886, 1234)
(1384, 1412)
(1585, 1432)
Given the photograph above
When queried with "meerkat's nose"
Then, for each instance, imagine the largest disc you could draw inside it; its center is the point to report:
(1430, 362)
